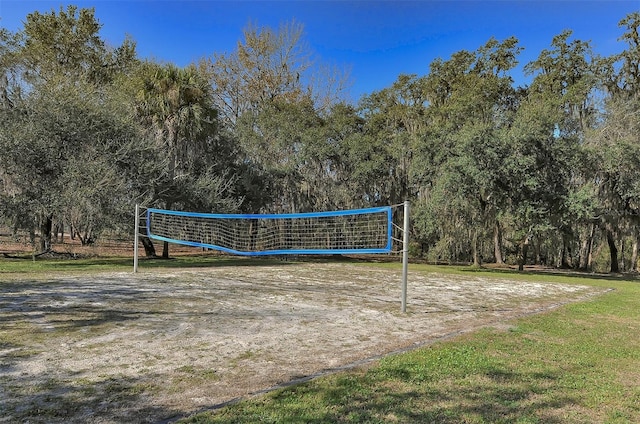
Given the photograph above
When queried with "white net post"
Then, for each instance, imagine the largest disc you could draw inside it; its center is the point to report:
(405, 256)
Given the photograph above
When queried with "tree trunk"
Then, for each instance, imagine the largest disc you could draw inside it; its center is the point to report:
(253, 234)
(613, 250)
(567, 256)
(165, 245)
(590, 257)
(149, 249)
(171, 172)
(524, 249)
(634, 255)
(477, 260)
(623, 266)
(538, 253)
(586, 250)
(497, 243)
(45, 233)
(55, 230)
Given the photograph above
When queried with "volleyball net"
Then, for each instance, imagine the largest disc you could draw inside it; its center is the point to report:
(337, 232)
(355, 231)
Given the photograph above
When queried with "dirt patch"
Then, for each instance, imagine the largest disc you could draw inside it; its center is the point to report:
(157, 345)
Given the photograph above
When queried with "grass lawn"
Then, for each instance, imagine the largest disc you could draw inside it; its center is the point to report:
(23, 266)
(577, 364)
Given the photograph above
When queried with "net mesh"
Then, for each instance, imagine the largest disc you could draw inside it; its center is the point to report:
(355, 231)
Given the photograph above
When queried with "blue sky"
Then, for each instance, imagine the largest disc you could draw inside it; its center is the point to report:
(377, 40)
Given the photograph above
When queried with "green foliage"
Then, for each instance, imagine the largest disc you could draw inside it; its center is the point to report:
(460, 162)
(72, 145)
(70, 153)
(492, 169)
(67, 44)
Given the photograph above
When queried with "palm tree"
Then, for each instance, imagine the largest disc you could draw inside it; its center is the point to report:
(176, 103)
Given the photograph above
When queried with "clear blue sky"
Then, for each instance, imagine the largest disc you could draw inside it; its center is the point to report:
(378, 40)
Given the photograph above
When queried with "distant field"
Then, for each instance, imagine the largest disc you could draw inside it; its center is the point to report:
(168, 342)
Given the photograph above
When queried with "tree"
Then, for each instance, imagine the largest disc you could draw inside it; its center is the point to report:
(67, 44)
(558, 110)
(271, 100)
(623, 79)
(267, 66)
(71, 154)
(344, 176)
(276, 139)
(176, 105)
(395, 125)
(470, 106)
(615, 147)
(271, 65)
(538, 169)
(58, 114)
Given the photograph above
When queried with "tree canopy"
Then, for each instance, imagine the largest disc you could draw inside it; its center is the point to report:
(542, 174)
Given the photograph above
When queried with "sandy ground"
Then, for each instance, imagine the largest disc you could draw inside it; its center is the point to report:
(159, 345)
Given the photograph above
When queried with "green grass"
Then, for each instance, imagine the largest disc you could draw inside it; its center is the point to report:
(21, 267)
(577, 364)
